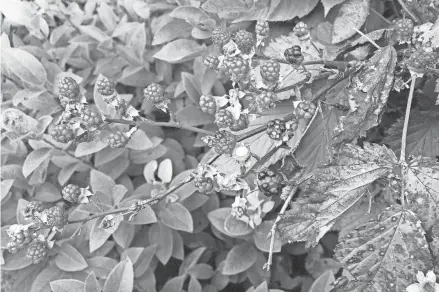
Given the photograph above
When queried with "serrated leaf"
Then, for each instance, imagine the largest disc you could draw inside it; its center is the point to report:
(328, 4)
(121, 278)
(67, 285)
(384, 255)
(367, 97)
(333, 189)
(422, 134)
(179, 51)
(177, 217)
(35, 159)
(239, 259)
(352, 14)
(161, 235)
(177, 28)
(69, 259)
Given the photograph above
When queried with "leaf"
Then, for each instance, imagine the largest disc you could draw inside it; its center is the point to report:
(137, 40)
(16, 261)
(177, 28)
(47, 192)
(121, 278)
(239, 259)
(98, 236)
(367, 97)
(191, 260)
(35, 159)
(194, 116)
(333, 189)
(69, 259)
(201, 271)
(48, 274)
(95, 33)
(92, 284)
(177, 217)
(175, 284)
(220, 6)
(195, 17)
(165, 171)
(179, 51)
(422, 134)
(235, 227)
(67, 172)
(107, 16)
(18, 12)
(124, 234)
(67, 285)
(218, 217)
(139, 141)
(145, 259)
(132, 253)
(100, 182)
(323, 283)
(384, 255)
(194, 285)
(288, 9)
(137, 75)
(161, 235)
(191, 86)
(87, 148)
(24, 66)
(328, 4)
(263, 240)
(101, 266)
(352, 14)
(263, 287)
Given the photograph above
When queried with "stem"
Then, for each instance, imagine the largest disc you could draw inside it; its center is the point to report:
(368, 38)
(163, 124)
(99, 215)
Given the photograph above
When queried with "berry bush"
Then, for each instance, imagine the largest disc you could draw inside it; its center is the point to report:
(206, 146)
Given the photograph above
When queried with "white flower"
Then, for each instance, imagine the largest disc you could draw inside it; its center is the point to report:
(239, 202)
(241, 152)
(426, 283)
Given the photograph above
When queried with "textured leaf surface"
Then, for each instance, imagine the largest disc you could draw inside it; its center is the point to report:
(177, 217)
(240, 258)
(67, 285)
(25, 66)
(352, 15)
(384, 255)
(69, 259)
(121, 278)
(333, 189)
(328, 4)
(179, 51)
(422, 134)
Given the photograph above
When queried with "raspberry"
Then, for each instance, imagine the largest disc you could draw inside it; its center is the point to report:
(236, 68)
(55, 216)
(276, 129)
(105, 86)
(208, 104)
(68, 88)
(270, 71)
(265, 100)
(20, 237)
(154, 93)
(32, 208)
(401, 30)
(118, 140)
(301, 30)
(211, 62)
(220, 37)
(224, 118)
(37, 251)
(71, 193)
(262, 28)
(294, 55)
(270, 183)
(244, 40)
(421, 59)
(240, 124)
(224, 142)
(62, 133)
(204, 184)
(305, 110)
(91, 117)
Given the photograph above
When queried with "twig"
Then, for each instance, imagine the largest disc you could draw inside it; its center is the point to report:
(163, 124)
(405, 8)
(99, 215)
(368, 38)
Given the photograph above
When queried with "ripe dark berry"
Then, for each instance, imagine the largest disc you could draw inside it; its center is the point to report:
(20, 237)
(276, 129)
(62, 133)
(224, 142)
(270, 183)
(105, 86)
(220, 37)
(305, 110)
(154, 93)
(117, 140)
(224, 118)
(211, 62)
(240, 124)
(208, 104)
(32, 208)
(37, 251)
(236, 68)
(91, 117)
(262, 28)
(69, 88)
(204, 184)
(71, 193)
(265, 99)
(422, 59)
(294, 55)
(301, 30)
(270, 71)
(244, 40)
(55, 216)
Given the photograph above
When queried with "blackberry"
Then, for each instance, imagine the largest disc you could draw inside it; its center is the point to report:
(293, 124)
(270, 183)
(20, 237)
(240, 124)
(244, 40)
(117, 140)
(62, 133)
(37, 251)
(301, 30)
(91, 117)
(270, 71)
(154, 93)
(64, 101)
(55, 216)
(276, 129)
(211, 62)
(105, 86)
(224, 142)
(401, 30)
(71, 193)
(262, 28)
(32, 208)
(305, 110)
(208, 104)
(294, 55)
(265, 99)
(422, 59)
(69, 88)
(236, 68)
(220, 37)
(224, 118)
(204, 184)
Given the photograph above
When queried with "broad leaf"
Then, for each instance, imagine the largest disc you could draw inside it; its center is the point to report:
(101, 182)
(48, 274)
(191, 260)
(235, 227)
(174, 284)
(35, 159)
(87, 148)
(161, 235)
(67, 285)
(177, 28)
(121, 278)
(239, 259)
(353, 14)
(218, 217)
(18, 12)
(179, 51)
(384, 255)
(145, 259)
(92, 284)
(328, 4)
(101, 266)
(177, 217)
(69, 259)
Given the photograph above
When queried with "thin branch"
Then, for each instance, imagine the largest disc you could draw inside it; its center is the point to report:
(368, 38)
(98, 215)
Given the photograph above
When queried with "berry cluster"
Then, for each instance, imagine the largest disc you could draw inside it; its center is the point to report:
(69, 89)
(305, 110)
(270, 71)
(262, 28)
(270, 183)
(244, 40)
(62, 133)
(154, 93)
(208, 104)
(224, 118)
(236, 68)
(20, 237)
(105, 86)
(294, 55)
(220, 37)
(276, 129)
(117, 140)
(71, 193)
(211, 62)
(91, 117)
(223, 142)
(301, 30)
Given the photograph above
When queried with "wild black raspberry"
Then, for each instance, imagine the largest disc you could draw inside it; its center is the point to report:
(220, 37)
(71, 193)
(32, 208)
(105, 86)
(224, 142)
(294, 55)
(270, 71)
(62, 133)
(91, 117)
(211, 62)
(270, 183)
(276, 129)
(55, 216)
(37, 251)
(262, 28)
(236, 68)
(305, 110)
(244, 40)
(208, 104)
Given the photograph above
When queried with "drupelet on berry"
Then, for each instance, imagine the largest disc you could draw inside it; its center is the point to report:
(220, 37)
(244, 40)
(69, 88)
(400, 30)
(224, 142)
(240, 124)
(204, 184)
(276, 129)
(208, 104)
(270, 183)
(270, 71)
(265, 100)
(211, 62)
(224, 118)
(262, 28)
(32, 208)
(117, 140)
(236, 68)
(154, 93)
(305, 110)
(301, 30)
(71, 193)
(62, 133)
(105, 86)
(37, 251)
(55, 216)
(91, 117)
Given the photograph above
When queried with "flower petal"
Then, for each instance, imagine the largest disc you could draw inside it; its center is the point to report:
(414, 288)
(431, 277)
(420, 277)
